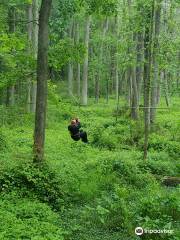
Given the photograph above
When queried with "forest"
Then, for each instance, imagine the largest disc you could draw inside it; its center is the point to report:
(89, 119)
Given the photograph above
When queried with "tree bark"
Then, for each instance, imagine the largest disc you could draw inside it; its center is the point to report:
(35, 49)
(105, 28)
(166, 90)
(171, 181)
(134, 97)
(10, 97)
(42, 77)
(85, 65)
(139, 63)
(70, 64)
(78, 64)
(129, 86)
(117, 60)
(147, 75)
(155, 79)
(29, 30)
(135, 103)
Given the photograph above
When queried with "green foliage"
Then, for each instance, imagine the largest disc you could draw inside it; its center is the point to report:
(41, 181)
(14, 62)
(158, 212)
(28, 219)
(65, 51)
(106, 7)
(94, 191)
(3, 142)
(160, 143)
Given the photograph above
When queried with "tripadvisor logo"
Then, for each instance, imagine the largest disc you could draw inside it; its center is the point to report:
(139, 231)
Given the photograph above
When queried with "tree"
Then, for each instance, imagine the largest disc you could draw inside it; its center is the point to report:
(42, 77)
(35, 48)
(70, 64)
(85, 65)
(154, 86)
(29, 30)
(10, 98)
(147, 72)
(78, 77)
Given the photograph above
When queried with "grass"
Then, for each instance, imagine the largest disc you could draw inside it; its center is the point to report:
(98, 191)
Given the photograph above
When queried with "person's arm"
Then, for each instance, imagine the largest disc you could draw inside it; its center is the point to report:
(78, 124)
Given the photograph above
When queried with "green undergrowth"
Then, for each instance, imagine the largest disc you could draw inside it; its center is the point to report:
(100, 190)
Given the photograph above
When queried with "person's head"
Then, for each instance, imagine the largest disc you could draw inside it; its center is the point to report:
(73, 122)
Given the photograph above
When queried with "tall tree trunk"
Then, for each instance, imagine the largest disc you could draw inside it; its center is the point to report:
(85, 65)
(70, 64)
(147, 75)
(78, 64)
(105, 28)
(108, 74)
(178, 74)
(155, 79)
(10, 101)
(135, 103)
(129, 86)
(70, 79)
(166, 90)
(29, 30)
(35, 49)
(42, 76)
(117, 60)
(139, 63)
(134, 99)
(131, 50)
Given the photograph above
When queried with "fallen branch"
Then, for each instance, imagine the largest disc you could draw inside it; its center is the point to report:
(171, 181)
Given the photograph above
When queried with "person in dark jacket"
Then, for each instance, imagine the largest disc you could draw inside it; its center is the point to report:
(76, 133)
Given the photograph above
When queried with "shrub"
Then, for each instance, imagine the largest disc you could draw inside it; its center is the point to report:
(33, 179)
(3, 141)
(28, 219)
(158, 167)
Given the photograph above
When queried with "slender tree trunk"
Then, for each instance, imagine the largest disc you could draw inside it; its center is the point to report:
(134, 105)
(108, 74)
(166, 90)
(147, 76)
(78, 64)
(70, 64)
(35, 49)
(85, 65)
(29, 30)
(96, 88)
(10, 101)
(117, 60)
(134, 99)
(129, 86)
(131, 50)
(42, 77)
(139, 63)
(117, 82)
(161, 77)
(154, 87)
(70, 79)
(178, 74)
(105, 29)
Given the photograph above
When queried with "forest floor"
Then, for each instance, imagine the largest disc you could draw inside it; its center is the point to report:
(102, 190)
